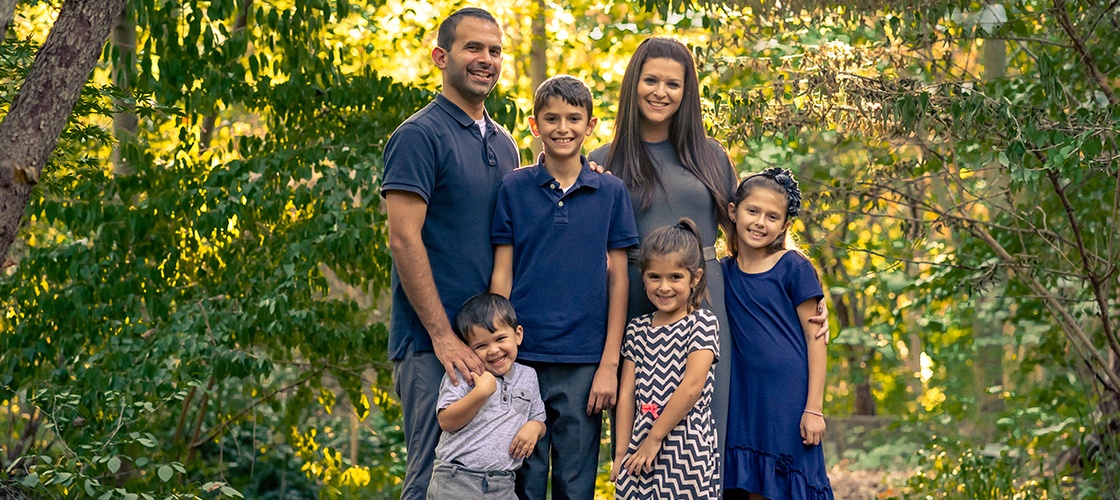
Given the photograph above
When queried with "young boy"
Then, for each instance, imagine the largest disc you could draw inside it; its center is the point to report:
(560, 233)
(490, 428)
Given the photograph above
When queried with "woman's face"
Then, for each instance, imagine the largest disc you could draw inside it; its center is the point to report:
(660, 91)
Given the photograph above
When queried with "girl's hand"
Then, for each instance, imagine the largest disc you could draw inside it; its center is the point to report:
(643, 458)
(812, 429)
(616, 468)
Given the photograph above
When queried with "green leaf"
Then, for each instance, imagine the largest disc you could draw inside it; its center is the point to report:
(165, 473)
(31, 480)
(114, 464)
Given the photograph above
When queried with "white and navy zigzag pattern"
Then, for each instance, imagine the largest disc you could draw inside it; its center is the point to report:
(687, 465)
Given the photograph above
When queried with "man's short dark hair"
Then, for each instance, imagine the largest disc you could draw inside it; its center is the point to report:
(567, 87)
(488, 310)
(445, 37)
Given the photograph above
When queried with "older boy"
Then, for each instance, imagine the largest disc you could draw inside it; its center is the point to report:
(560, 233)
(490, 429)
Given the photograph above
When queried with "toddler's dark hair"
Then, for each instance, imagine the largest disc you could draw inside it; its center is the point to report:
(488, 310)
(568, 88)
(683, 239)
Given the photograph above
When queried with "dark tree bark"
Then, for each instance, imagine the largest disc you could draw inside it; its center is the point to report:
(40, 111)
(7, 13)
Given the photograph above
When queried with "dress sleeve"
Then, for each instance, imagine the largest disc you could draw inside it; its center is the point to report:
(801, 280)
(705, 332)
(628, 338)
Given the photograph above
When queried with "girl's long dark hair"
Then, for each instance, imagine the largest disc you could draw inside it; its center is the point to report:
(628, 159)
(682, 239)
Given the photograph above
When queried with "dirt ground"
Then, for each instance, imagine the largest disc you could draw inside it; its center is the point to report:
(850, 484)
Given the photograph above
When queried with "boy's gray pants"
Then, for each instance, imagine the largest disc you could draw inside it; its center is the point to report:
(455, 482)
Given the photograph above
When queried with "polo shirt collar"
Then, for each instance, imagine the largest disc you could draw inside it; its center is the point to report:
(586, 176)
(458, 114)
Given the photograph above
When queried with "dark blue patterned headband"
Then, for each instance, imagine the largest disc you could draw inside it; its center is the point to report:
(785, 179)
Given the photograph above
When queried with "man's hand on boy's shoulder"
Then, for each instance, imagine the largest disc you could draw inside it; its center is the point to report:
(526, 439)
(485, 383)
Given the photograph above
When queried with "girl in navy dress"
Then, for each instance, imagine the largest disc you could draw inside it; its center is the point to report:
(778, 361)
(665, 445)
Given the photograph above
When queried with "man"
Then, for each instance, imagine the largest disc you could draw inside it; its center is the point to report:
(443, 168)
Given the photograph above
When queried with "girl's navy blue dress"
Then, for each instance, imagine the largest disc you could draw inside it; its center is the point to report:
(770, 382)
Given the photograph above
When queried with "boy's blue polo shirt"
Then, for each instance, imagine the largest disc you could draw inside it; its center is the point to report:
(560, 244)
(439, 154)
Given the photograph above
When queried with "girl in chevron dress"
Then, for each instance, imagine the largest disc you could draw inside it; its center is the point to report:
(665, 446)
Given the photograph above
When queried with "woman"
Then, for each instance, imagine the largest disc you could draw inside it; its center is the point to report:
(673, 170)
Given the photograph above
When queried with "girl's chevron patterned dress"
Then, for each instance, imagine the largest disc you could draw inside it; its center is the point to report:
(687, 465)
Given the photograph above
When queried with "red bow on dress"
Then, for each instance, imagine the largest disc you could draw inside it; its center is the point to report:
(651, 408)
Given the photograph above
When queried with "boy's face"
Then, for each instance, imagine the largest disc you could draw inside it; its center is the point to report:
(562, 127)
(497, 349)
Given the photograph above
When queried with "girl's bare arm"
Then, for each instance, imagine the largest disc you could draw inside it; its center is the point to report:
(812, 421)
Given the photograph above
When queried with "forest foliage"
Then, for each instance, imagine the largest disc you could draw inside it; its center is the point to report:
(196, 305)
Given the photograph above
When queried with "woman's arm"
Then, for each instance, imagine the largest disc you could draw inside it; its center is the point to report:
(812, 424)
(623, 417)
(680, 403)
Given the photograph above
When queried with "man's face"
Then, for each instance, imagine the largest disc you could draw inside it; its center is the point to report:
(473, 63)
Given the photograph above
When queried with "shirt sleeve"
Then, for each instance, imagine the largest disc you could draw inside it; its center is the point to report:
(623, 232)
(705, 333)
(410, 162)
(449, 393)
(501, 226)
(536, 404)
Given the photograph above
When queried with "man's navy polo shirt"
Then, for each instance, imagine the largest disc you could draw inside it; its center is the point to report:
(439, 154)
(560, 244)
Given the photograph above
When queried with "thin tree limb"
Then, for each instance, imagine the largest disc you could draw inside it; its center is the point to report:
(1079, 47)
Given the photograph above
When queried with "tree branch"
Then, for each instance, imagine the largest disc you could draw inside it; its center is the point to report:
(1094, 279)
(1079, 47)
(1069, 324)
(218, 430)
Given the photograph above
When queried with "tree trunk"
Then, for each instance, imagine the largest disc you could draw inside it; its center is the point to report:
(40, 111)
(538, 58)
(124, 68)
(7, 13)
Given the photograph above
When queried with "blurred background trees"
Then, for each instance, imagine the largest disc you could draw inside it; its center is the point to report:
(194, 304)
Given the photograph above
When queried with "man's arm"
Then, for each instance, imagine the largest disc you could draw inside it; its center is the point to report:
(406, 220)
